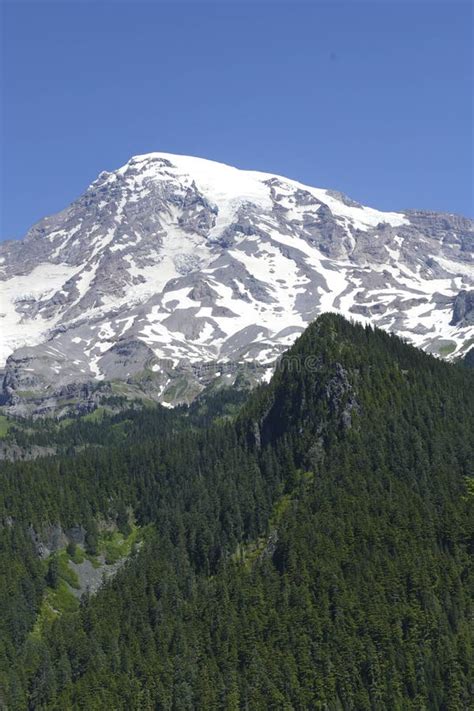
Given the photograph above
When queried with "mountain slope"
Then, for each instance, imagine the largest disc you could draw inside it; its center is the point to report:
(176, 265)
(314, 553)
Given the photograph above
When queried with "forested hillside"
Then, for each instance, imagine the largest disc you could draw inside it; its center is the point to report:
(310, 549)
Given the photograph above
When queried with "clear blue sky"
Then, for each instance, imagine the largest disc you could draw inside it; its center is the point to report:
(373, 99)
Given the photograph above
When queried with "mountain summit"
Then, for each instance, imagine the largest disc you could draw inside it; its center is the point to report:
(172, 264)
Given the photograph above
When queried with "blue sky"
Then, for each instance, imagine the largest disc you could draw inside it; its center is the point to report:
(373, 99)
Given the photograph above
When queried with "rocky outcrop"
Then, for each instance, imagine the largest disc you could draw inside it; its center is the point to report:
(11, 452)
(52, 538)
(341, 397)
(463, 309)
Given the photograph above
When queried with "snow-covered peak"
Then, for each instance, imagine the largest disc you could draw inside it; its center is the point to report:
(184, 260)
(226, 185)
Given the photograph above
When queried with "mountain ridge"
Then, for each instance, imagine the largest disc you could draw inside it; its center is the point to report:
(260, 532)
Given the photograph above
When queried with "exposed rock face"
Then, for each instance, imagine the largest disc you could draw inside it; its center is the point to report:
(463, 309)
(468, 359)
(14, 453)
(341, 397)
(53, 538)
(171, 262)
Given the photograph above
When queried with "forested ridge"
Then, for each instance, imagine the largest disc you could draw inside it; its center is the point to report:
(313, 551)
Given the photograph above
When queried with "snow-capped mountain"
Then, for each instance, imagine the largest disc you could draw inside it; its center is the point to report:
(173, 265)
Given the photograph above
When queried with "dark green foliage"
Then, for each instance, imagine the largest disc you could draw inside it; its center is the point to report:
(92, 537)
(123, 520)
(353, 471)
(52, 576)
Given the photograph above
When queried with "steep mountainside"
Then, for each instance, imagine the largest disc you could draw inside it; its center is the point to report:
(313, 552)
(178, 268)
